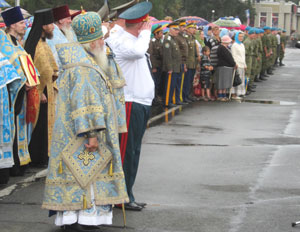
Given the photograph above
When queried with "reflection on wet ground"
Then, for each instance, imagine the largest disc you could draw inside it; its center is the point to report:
(160, 114)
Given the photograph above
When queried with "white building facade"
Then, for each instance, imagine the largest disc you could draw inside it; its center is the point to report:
(277, 14)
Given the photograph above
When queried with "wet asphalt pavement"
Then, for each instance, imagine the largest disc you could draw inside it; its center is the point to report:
(214, 167)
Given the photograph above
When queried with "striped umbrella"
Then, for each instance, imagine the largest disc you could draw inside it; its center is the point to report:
(226, 22)
(4, 4)
(195, 19)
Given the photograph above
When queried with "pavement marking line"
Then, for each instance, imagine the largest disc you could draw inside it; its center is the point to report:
(8, 190)
(237, 220)
(290, 128)
(162, 115)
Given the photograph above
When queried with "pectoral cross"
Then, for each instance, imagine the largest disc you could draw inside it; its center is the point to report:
(86, 157)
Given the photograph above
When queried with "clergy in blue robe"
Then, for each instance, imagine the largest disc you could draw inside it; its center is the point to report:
(85, 176)
(9, 82)
(10, 48)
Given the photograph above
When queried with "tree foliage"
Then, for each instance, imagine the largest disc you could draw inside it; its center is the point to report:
(161, 8)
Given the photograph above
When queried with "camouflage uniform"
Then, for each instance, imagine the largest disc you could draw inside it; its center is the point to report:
(260, 55)
(249, 52)
(255, 44)
(283, 42)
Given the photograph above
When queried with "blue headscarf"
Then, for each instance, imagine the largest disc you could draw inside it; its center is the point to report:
(236, 38)
(224, 32)
(205, 30)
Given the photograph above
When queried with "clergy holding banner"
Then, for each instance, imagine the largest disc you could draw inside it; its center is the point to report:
(37, 47)
(85, 176)
(25, 99)
(9, 82)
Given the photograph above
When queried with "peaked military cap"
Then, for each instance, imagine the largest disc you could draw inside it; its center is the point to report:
(137, 13)
(191, 25)
(156, 28)
(174, 25)
(181, 22)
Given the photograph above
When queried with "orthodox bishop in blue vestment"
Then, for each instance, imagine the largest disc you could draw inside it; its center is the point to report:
(85, 176)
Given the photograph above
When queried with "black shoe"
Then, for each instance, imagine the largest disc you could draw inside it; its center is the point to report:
(263, 79)
(188, 101)
(265, 75)
(281, 64)
(181, 103)
(248, 92)
(253, 86)
(257, 80)
(170, 105)
(142, 204)
(133, 206)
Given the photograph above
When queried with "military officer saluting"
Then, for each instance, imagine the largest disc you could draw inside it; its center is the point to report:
(156, 53)
(171, 65)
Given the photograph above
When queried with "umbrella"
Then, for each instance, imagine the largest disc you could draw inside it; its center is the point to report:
(226, 22)
(4, 4)
(195, 19)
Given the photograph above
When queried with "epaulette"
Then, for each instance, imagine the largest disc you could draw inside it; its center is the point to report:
(186, 36)
(153, 40)
(169, 38)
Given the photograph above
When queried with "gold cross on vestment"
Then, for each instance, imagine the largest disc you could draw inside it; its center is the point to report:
(86, 157)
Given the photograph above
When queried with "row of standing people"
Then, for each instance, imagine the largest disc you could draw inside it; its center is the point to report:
(184, 51)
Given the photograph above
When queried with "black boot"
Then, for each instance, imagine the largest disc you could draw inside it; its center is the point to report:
(281, 64)
(269, 71)
(262, 78)
(263, 73)
(256, 79)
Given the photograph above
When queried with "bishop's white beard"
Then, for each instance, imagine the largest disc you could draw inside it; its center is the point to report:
(68, 33)
(99, 55)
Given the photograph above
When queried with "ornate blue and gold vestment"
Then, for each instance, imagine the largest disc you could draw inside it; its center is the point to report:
(12, 52)
(117, 81)
(84, 103)
(9, 82)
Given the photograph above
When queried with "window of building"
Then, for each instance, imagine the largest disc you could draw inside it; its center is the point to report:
(263, 19)
(275, 20)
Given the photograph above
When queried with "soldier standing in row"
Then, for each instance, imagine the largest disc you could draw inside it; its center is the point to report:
(156, 56)
(191, 61)
(260, 54)
(249, 56)
(274, 46)
(181, 40)
(283, 41)
(255, 58)
(267, 51)
(171, 64)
